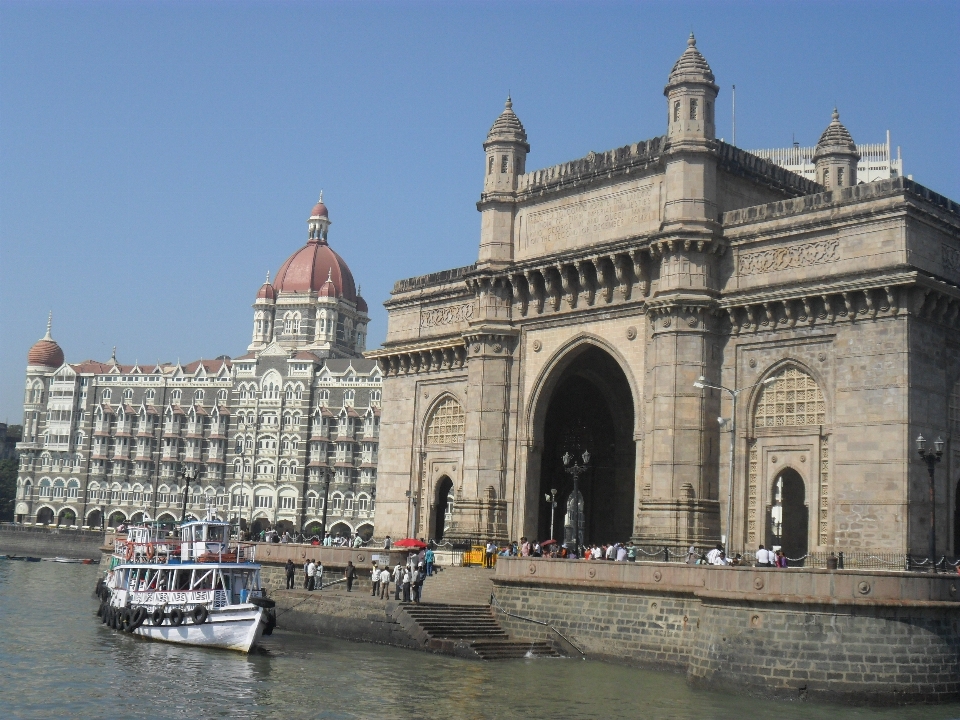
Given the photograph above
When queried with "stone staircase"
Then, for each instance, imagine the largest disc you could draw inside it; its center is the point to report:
(466, 631)
(459, 586)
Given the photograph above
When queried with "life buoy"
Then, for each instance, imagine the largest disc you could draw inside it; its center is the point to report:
(151, 551)
(156, 617)
(176, 617)
(199, 615)
(129, 554)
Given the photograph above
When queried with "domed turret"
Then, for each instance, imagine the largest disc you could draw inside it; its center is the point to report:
(361, 303)
(691, 92)
(45, 352)
(508, 128)
(267, 291)
(836, 156)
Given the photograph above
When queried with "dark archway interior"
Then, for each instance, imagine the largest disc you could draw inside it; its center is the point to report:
(590, 408)
(441, 505)
(45, 516)
(260, 525)
(956, 521)
(791, 532)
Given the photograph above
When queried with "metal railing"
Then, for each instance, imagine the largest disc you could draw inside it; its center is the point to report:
(496, 603)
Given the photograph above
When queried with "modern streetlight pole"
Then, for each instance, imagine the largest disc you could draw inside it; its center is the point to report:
(931, 458)
(186, 490)
(323, 517)
(576, 470)
(734, 394)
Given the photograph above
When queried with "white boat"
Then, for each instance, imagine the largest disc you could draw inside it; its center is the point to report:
(201, 589)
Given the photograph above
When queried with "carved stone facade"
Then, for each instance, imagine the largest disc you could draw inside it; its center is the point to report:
(606, 286)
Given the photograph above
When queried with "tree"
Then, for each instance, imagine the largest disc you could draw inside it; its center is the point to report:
(8, 489)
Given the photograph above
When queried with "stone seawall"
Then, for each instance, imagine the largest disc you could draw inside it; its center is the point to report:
(847, 636)
(50, 542)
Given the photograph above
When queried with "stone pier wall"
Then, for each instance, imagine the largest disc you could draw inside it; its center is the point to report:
(49, 542)
(848, 636)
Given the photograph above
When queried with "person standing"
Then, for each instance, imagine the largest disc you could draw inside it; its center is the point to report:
(306, 578)
(350, 574)
(319, 576)
(715, 555)
(764, 557)
(385, 584)
(632, 552)
(291, 574)
(357, 540)
(311, 574)
(387, 543)
(398, 580)
(418, 583)
(429, 558)
(406, 585)
(491, 549)
(374, 579)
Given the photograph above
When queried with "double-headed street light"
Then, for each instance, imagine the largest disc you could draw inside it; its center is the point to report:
(702, 383)
(931, 458)
(575, 469)
(551, 498)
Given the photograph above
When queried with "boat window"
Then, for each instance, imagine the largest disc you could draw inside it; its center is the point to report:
(182, 580)
(215, 533)
(202, 581)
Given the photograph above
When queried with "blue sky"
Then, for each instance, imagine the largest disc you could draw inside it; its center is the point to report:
(157, 158)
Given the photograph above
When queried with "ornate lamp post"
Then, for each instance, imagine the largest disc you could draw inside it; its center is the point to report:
(323, 517)
(931, 458)
(576, 470)
(186, 490)
(734, 394)
(552, 499)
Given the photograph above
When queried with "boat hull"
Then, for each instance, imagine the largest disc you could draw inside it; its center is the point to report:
(233, 628)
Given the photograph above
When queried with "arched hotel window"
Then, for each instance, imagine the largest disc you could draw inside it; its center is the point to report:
(794, 398)
(446, 424)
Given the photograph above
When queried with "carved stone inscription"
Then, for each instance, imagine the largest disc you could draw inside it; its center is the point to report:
(951, 258)
(815, 253)
(446, 315)
(604, 216)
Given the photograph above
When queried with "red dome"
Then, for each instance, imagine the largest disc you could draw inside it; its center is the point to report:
(361, 304)
(319, 210)
(45, 353)
(266, 292)
(309, 268)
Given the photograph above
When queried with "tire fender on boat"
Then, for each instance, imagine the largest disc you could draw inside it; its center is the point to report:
(199, 615)
(176, 617)
(156, 617)
(139, 615)
(126, 622)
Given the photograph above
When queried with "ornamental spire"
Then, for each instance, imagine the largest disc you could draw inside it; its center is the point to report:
(49, 323)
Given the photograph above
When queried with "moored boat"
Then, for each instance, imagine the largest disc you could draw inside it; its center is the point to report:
(201, 589)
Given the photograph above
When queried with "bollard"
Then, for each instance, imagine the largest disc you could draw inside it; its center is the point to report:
(840, 560)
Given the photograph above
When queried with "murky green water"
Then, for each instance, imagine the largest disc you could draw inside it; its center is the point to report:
(57, 660)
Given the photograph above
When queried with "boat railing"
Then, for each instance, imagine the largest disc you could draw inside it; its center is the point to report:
(174, 552)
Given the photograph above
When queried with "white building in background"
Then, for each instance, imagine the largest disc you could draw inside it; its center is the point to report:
(283, 437)
(876, 161)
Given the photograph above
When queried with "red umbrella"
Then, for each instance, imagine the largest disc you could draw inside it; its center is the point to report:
(410, 543)
(547, 543)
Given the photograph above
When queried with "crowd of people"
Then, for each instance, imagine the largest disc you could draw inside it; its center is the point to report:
(407, 579)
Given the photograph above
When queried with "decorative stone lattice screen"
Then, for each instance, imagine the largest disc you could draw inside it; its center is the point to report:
(794, 398)
(446, 424)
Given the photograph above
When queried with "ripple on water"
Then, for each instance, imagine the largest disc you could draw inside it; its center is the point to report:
(57, 660)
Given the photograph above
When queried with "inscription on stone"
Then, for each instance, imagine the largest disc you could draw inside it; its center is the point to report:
(446, 315)
(815, 253)
(951, 258)
(592, 217)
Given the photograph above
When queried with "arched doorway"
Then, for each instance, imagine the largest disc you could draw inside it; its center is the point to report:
(45, 516)
(341, 529)
(789, 516)
(67, 517)
(365, 532)
(260, 525)
(443, 507)
(94, 519)
(590, 408)
(285, 526)
(117, 518)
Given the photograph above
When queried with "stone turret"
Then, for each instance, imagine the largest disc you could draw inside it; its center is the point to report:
(836, 156)
(506, 149)
(691, 94)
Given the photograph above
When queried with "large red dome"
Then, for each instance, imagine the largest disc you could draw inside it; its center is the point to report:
(45, 353)
(308, 269)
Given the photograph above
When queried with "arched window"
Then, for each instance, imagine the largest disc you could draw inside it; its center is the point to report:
(198, 396)
(446, 423)
(127, 394)
(792, 399)
(336, 502)
(175, 396)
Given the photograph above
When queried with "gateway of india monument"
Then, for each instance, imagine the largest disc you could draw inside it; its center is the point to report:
(610, 292)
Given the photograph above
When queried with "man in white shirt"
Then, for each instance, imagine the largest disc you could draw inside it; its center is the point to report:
(385, 584)
(311, 574)
(764, 557)
(715, 556)
(621, 553)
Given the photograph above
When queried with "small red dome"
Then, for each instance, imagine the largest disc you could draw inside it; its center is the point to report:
(319, 210)
(361, 304)
(45, 353)
(328, 290)
(309, 269)
(267, 292)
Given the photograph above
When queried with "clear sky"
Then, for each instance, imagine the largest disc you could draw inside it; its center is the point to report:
(158, 158)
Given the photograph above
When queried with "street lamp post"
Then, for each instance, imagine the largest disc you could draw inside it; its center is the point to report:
(931, 458)
(734, 394)
(576, 470)
(323, 517)
(186, 490)
(552, 499)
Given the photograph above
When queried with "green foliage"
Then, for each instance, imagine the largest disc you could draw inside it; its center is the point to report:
(8, 489)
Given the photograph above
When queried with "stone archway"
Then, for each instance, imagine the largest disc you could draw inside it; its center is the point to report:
(442, 508)
(586, 405)
(45, 516)
(94, 519)
(789, 522)
(67, 516)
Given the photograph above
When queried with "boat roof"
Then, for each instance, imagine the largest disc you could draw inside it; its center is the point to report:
(190, 565)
